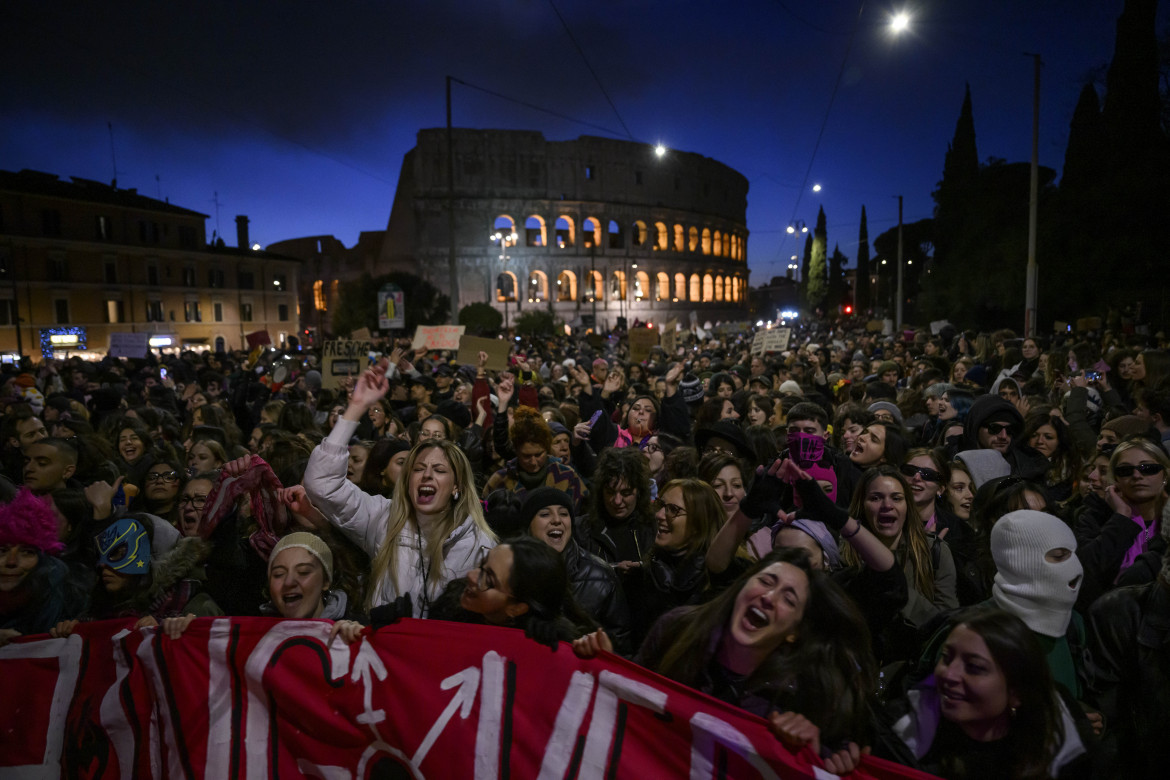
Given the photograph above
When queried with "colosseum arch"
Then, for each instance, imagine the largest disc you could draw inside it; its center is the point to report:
(566, 232)
(719, 288)
(596, 289)
(504, 224)
(506, 286)
(638, 233)
(663, 287)
(718, 246)
(534, 231)
(706, 241)
(708, 288)
(660, 236)
(537, 286)
(617, 239)
(590, 232)
(641, 285)
(566, 286)
(693, 238)
(678, 238)
(618, 285)
(696, 288)
(680, 287)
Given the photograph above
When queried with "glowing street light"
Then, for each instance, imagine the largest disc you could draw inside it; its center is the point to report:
(816, 188)
(660, 150)
(899, 22)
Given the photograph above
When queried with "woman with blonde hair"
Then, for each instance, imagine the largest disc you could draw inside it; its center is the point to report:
(432, 532)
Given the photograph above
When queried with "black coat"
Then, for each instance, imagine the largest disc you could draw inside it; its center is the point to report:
(1129, 678)
(599, 594)
(1103, 539)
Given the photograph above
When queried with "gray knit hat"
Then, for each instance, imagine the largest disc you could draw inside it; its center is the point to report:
(307, 541)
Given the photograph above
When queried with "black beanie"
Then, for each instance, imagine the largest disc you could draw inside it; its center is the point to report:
(536, 500)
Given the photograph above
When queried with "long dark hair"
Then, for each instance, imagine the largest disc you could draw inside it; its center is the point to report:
(540, 580)
(1036, 730)
(825, 675)
(614, 465)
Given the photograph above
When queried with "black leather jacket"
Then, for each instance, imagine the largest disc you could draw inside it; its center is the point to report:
(599, 594)
(1129, 678)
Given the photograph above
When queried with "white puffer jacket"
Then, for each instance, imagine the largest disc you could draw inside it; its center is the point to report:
(363, 517)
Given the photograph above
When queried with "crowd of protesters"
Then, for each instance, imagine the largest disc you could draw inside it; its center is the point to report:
(945, 548)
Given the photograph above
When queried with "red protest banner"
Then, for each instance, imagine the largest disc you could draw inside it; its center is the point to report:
(256, 698)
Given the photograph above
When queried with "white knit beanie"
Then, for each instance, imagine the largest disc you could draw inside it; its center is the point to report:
(1038, 591)
(311, 542)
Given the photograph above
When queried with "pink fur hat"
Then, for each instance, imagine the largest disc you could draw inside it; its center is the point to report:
(30, 520)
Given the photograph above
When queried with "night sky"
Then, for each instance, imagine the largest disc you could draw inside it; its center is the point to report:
(298, 114)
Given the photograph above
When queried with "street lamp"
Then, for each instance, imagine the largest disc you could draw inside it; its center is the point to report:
(899, 22)
(798, 225)
(505, 240)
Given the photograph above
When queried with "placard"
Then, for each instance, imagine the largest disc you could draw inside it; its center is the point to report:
(667, 336)
(342, 358)
(391, 307)
(497, 351)
(361, 334)
(131, 345)
(438, 337)
(642, 340)
(1088, 323)
(772, 340)
(258, 338)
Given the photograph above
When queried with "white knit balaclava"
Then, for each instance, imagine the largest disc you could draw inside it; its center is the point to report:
(1037, 591)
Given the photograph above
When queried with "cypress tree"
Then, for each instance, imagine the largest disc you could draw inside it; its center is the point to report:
(837, 263)
(861, 288)
(818, 271)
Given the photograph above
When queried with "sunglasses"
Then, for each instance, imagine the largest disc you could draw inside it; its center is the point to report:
(995, 429)
(1126, 470)
(928, 475)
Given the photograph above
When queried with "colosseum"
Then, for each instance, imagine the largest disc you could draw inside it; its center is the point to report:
(593, 229)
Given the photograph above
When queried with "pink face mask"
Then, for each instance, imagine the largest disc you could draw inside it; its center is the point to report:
(805, 448)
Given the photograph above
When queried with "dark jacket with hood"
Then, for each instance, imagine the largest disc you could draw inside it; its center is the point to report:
(1025, 461)
(174, 588)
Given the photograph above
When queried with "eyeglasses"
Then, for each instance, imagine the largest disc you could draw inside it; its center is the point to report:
(487, 578)
(716, 448)
(995, 429)
(1126, 470)
(195, 501)
(928, 475)
(652, 448)
(162, 476)
(672, 510)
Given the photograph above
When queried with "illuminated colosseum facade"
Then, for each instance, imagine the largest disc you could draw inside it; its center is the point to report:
(602, 228)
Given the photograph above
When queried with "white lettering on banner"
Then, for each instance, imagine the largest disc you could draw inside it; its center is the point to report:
(113, 717)
(68, 655)
(467, 683)
(255, 736)
(559, 750)
(491, 704)
(706, 731)
(612, 687)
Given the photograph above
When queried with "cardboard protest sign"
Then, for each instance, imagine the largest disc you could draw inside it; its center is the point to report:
(340, 359)
(642, 340)
(361, 334)
(497, 351)
(437, 337)
(772, 340)
(667, 336)
(131, 345)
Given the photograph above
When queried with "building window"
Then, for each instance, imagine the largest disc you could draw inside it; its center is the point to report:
(57, 269)
(247, 280)
(189, 276)
(282, 312)
(102, 228)
(191, 312)
(114, 311)
(319, 302)
(152, 275)
(215, 277)
(111, 272)
(589, 171)
(638, 178)
(279, 282)
(61, 311)
(187, 237)
(7, 311)
(154, 311)
(50, 222)
(217, 311)
(245, 312)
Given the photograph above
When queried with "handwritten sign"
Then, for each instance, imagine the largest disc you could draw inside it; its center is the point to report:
(642, 340)
(497, 351)
(438, 337)
(131, 345)
(340, 359)
(667, 336)
(773, 340)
